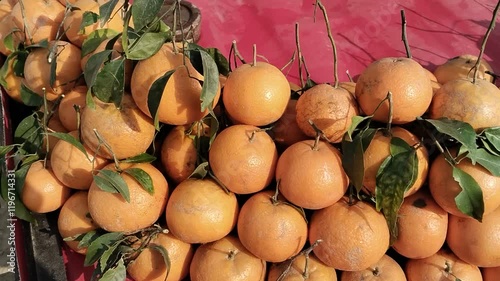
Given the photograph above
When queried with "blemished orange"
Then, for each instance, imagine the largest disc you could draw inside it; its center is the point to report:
(316, 270)
(37, 69)
(150, 264)
(355, 236)
(66, 109)
(407, 81)
(42, 192)
(285, 131)
(73, 220)
(442, 266)
(243, 158)
(330, 109)
(444, 188)
(256, 94)
(475, 103)
(113, 213)
(180, 102)
(226, 259)
(379, 149)
(491, 273)
(127, 130)
(200, 211)
(386, 269)
(476, 242)
(460, 67)
(272, 231)
(311, 175)
(422, 226)
(72, 167)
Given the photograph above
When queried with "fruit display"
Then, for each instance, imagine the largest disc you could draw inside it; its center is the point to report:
(161, 159)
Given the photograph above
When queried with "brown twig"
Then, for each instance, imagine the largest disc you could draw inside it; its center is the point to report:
(404, 38)
(299, 53)
(237, 53)
(332, 42)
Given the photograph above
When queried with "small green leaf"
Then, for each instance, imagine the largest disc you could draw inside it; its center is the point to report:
(29, 134)
(94, 65)
(460, 131)
(71, 140)
(88, 18)
(470, 200)
(143, 178)
(200, 172)
(104, 184)
(8, 42)
(214, 127)
(89, 101)
(99, 245)
(155, 93)
(110, 82)
(211, 81)
(117, 182)
(221, 61)
(489, 161)
(164, 254)
(147, 45)
(489, 147)
(4, 150)
(95, 38)
(109, 257)
(88, 238)
(118, 273)
(144, 12)
(356, 120)
(30, 98)
(493, 136)
(77, 237)
(106, 11)
(141, 158)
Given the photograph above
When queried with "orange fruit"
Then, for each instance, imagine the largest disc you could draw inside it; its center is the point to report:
(256, 94)
(460, 67)
(226, 259)
(127, 130)
(330, 109)
(386, 269)
(200, 211)
(40, 20)
(442, 266)
(150, 265)
(63, 2)
(180, 102)
(286, 131)
(444, 188)
(422, 226)
(5, 9)
(72, 167)
(349, 86)
(7, 27)
(37, 69)
(435, 84)
(380, 148)
(42, 192)
(113, 213)
(66, 109)
(243, 158)
(407, 81)
(272, 231)
(476, 242)
(316, 270)
(13, 82)
(491, 273)
(73, 220)
(311, 177)
(355, 236)
(475, 103)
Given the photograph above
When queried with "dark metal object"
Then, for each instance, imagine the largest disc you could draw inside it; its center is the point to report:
(190, 17)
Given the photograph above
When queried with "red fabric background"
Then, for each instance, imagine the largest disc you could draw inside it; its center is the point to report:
(363, 30)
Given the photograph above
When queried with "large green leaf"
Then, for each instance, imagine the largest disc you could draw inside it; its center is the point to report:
(356, 120)
(460, 131)
(144, 12)
(88, 18)
(155, 93)
(95, 38)
(109, 85)
(29, 134)
(94, 65)
(211, 81)
(106, 11)
(116, 180)
(143, 178)
(88, 238)
(493, 136)
(71, 140)
(30, 98)
(118, 273)
(164, 254)
(100, 245)
(110, 256)
(220, 60)
(489, 161)
(147, 45)
(470, 200)
(4, 150)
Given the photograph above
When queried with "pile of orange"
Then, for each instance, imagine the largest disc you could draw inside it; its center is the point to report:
(264, 196)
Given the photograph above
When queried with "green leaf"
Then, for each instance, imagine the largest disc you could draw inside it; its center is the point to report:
(155, 93)
(141, 158)
(110, 82)
(104, 184)
(29, 134)
(144, 12)
(100, 245)
(164, 254)
(489, 161)
(88, 238)
(397, 173)
(221, 61)
(76, 237)
(460, 131)
(211, 81)
(143, 178)
(109, 257)
(356, 120)
(89, 101)
(493, 136)
(489, 147)
(470, 200)
(8, 42)
(147, 45)
(106, 11)
(21, 211)
(116, 180)
(30, 98)
(4, 150)
(95, 38)
(118, 273)
(72, 140)
(53, 64)
(200, 172)
(94, 65)
(88, 18)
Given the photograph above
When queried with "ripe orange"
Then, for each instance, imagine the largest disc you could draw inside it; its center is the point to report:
(309, 177)
(66, 109)
(286, 131)
(243, 158)
(226, 259)
(442, 266)
(272, 231)
(475, 242)
(113, 213)
(386, 269)
(422, 226)
(355, 236)
(316, 270)
(42, 192)
(150, 265)
(444, 188)
(460, 67)
(475, 103)
(350, 87)
(491, 273)
(73, 220)
(37, 68)
(379, 149)
(127, 130)
(330, 109)
(200, 211)
(72, 167)
(256, 94)
(180, 103)
(435, 84)
(407, 81)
